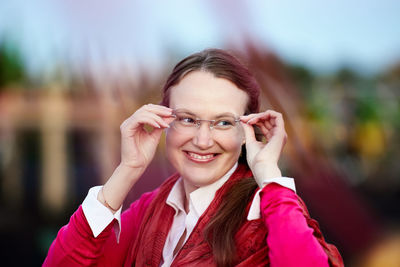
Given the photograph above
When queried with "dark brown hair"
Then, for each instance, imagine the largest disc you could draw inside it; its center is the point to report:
(221, 229)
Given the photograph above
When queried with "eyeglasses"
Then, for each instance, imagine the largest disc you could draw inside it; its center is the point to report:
(187, 122)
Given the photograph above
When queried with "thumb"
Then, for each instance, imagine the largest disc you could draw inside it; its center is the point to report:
(248, 133)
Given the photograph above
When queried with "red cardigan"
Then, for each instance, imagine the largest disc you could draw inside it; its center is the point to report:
(291, 241)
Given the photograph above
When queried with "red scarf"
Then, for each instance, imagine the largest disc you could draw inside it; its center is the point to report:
(252, 249)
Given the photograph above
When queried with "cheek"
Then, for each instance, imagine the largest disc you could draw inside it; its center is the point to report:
(238, 146)
(173, 141)
(232, 146)
(235, 144)
(173, 138)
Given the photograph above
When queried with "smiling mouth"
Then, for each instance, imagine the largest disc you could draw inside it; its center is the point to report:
(201, 158)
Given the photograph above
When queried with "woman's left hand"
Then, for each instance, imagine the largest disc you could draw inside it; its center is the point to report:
(263, 157)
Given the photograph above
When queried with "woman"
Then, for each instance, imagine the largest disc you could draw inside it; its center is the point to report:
(228, 204)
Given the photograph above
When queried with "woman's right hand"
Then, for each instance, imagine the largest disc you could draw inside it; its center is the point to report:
(138, 145)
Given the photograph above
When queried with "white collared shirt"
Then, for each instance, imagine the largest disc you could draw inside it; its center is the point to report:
(99, 216)
(199, 200)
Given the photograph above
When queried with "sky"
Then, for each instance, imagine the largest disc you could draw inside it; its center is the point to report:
(323, 35)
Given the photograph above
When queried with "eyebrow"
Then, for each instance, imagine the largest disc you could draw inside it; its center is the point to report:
(225, 114)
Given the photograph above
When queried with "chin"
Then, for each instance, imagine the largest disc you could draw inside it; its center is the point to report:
(199, 177)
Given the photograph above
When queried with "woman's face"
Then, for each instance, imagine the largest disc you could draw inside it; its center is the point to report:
(204, 155)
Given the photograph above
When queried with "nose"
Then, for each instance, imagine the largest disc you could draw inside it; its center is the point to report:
(203, 137)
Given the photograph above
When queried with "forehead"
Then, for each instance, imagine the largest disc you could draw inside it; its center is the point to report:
(203, 93)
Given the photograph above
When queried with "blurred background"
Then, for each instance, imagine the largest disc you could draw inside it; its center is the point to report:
(72, 71)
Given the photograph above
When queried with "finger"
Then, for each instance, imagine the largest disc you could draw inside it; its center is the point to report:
(146, 121)
(263, 129)
(165, 113)
(258, 117)
(279, 120)
(158, 109)
(133, 124)
(168, 120)
(268, 125)
(271, 124)
(279, 125)
(248, 133)
(246, 118)
(252, 120)
(149, 108)
(270, 118)
(262, 122)
(159, 118)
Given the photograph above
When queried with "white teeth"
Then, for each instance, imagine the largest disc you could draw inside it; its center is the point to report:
(200, 157)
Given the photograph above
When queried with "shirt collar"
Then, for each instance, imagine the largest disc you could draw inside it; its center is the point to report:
(200, 198)
(176, 197)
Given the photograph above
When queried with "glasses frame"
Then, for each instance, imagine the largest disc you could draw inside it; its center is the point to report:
(198, 121)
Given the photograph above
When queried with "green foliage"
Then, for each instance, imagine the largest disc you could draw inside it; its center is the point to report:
(12, 70)
(301, 76)
(368, 108)
(347, 76)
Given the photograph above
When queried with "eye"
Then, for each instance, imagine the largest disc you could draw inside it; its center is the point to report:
(186, 120)
(224, 123)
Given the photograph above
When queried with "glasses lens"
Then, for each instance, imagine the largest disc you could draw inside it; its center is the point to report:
(186, 122)
(225, 123)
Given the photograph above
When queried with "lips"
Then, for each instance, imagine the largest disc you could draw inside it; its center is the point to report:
(201, 158)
